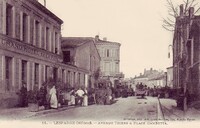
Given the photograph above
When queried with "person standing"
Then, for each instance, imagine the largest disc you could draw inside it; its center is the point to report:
(85, 98)
(23, 96)
(72, 97)
(80, 94)
(42, 96)
(53, 98)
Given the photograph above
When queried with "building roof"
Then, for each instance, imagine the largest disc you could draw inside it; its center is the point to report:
(106, 42)
(160, 77)
(141, 76)
(46, 11)
(78, 41)
(75, 41)
(170, 67)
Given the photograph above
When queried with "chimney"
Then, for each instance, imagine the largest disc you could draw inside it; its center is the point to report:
(104, 39)
(181, 10)
(97, 38)
(191, 12)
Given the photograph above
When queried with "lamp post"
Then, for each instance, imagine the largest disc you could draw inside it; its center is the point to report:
(169, 50)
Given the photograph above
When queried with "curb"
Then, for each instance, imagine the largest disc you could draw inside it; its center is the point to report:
(49, 111)
(160, 114)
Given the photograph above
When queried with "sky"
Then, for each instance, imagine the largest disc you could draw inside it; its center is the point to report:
(136, 24)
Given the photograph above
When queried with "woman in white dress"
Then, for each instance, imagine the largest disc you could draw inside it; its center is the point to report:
(53, 100)
(72, 97)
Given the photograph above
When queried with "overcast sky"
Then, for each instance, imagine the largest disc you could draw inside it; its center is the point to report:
(136, 24)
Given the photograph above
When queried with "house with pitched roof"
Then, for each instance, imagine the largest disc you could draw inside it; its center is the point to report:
(82, 53)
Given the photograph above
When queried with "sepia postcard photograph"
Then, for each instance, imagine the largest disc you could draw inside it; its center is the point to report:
(99, 63)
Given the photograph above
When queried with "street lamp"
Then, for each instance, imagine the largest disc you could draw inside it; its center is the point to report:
(169, 50)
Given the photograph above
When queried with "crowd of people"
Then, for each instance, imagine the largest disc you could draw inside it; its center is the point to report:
(53, 97)
(102, 94)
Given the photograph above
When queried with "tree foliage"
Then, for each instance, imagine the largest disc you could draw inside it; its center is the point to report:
(174, 12)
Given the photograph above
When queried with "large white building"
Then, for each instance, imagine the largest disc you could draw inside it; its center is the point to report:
(110, 59)
(30, 49)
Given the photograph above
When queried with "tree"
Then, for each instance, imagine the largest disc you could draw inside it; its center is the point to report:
(174, 12)
(97, 74)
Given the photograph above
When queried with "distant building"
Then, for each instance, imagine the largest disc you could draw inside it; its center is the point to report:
(157, 81)
(82, 52)
(110, 59)
(151, 78)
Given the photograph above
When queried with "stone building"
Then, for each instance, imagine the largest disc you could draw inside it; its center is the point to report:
(186, 56)
(30, 49)
(82, 52)
(110, 59)
(152, 78)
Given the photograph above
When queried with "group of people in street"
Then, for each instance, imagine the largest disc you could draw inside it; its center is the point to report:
(53, 97)
(70, 96)
(103, 94)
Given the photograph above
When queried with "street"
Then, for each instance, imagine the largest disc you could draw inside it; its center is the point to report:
(130, 108)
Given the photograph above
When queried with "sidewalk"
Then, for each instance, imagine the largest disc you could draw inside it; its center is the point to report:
(170, 111)
(22, 113)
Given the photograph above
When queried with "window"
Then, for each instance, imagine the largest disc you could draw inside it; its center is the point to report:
(117, 67)
(56, 49)
(17, 25)
(107, 68)
(108, 54)
(47, 38)
(24, 71)
(42, 37)
(25, 27)
(196, 48)
(31, 30)
(36, 73)
(37, 33)
(63, 75)
(79, 79)
(74, 78)
(68, 77)
(46, 72)
(55, 70)
(8, 66)
(66, 56)
(9, 19)
(84, 79)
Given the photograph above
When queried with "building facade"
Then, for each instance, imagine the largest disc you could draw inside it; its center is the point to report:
(82, 52)
(170, 77)
(110, 59)
(186, 55)
(30, 49)
(152, 78)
